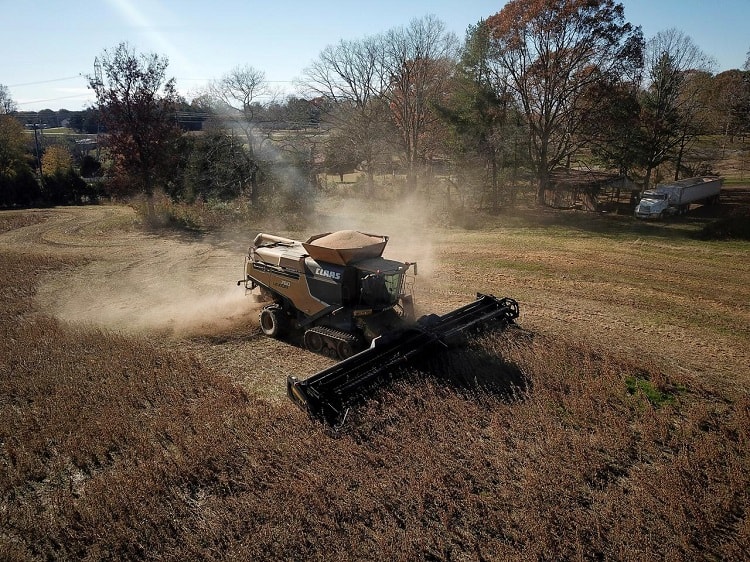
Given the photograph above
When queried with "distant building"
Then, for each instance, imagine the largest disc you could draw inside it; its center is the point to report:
(591, 190)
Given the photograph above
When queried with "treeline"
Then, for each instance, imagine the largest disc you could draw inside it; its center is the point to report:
(40, 168)
(536, 87)
(290, 113)
(34, 173)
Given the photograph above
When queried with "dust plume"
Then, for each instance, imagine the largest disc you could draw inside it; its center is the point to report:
(159, 286)
(181, 288)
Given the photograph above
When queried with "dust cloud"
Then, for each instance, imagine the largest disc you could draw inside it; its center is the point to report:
(185, 287)
(156, 285)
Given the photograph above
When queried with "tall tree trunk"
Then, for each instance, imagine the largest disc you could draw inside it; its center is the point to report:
(647, 179)
(543, 184)
(370, 180)
(493, 167)
(541, 190)
(678, 161)
(411, 178)
(148, 190)
(254, 188)
(543, 173)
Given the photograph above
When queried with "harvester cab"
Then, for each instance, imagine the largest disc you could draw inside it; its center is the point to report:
(349, 302)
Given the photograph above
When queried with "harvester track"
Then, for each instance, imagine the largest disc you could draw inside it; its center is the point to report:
(330, 342)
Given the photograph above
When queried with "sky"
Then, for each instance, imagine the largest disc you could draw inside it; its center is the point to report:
(49, 46)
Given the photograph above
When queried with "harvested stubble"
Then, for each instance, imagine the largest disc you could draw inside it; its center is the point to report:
(113, 448)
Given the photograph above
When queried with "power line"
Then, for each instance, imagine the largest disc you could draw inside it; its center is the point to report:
(48, 99)
(44, 81)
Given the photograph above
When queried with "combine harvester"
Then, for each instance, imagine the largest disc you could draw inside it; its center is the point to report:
(348, 302)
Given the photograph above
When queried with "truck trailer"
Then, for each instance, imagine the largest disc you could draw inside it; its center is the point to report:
(675, 198)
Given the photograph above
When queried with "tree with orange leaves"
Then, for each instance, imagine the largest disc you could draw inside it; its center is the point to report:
(553, 52)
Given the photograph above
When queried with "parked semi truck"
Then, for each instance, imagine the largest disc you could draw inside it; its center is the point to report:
(675, 198)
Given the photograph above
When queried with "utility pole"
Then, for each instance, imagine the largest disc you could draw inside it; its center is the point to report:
(99, 85)
(37, 127)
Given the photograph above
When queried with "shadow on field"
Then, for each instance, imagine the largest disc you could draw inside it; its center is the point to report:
(474, 369)
(610, 225)
(477, 374)
(734, 203)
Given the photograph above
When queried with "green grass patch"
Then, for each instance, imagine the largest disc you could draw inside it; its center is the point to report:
(655, 396)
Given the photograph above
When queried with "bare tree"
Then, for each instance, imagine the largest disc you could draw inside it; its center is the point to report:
(350, 71)
(350, 76)
(671, 104)
(236, 97)
(239, 90)
(553, 51)
(7, 105)
(386, 84)
(419, 63)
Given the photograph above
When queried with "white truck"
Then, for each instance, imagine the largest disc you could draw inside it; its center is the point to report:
(676, 197)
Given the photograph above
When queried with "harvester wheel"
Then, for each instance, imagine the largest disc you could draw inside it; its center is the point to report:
(344, 349)
(313, 341)
(271, 322)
